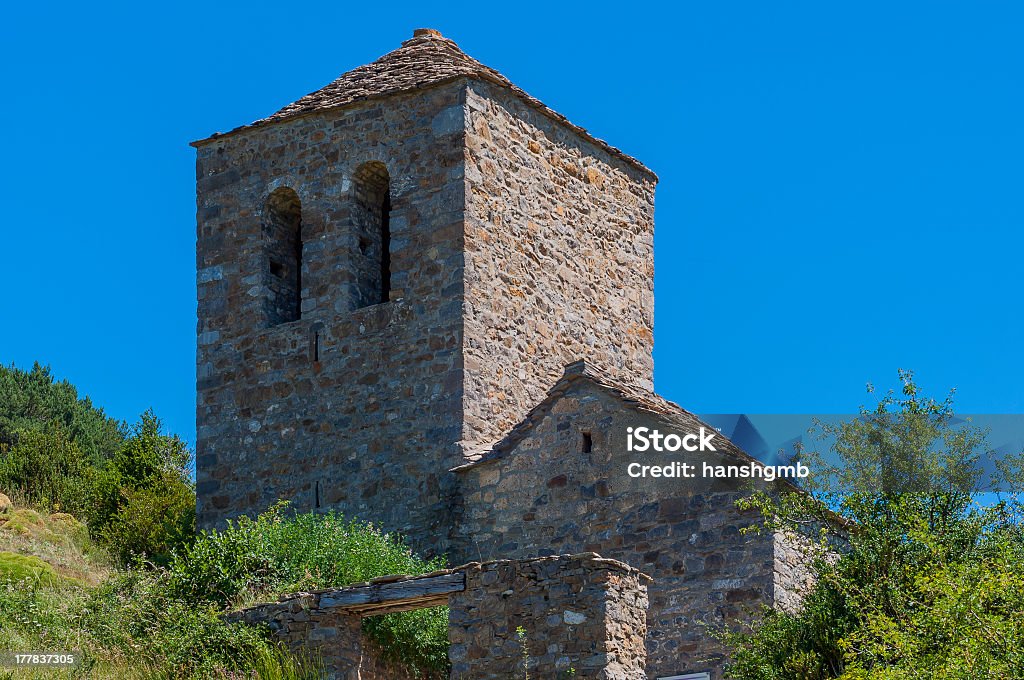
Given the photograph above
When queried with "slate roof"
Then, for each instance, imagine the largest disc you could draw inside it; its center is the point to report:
(631, 397)
(426, 60)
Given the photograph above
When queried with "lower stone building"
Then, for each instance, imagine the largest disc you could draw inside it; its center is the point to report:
(559, 484)
(426, 299)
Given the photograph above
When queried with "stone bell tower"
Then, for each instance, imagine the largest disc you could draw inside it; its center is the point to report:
(392, 270)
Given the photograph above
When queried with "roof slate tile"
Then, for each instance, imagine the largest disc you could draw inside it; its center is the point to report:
(426, 60)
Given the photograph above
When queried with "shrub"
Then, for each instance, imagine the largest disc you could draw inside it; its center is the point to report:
(47, 469)
(927, 582)
(275, 553)
(152, 522)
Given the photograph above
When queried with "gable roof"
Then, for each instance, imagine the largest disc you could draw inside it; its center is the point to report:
(426, 60)
(631, 397)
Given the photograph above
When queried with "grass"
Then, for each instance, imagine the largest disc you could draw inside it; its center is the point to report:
(14, 567)
(125, 633)
(58, 540)
(58, 593)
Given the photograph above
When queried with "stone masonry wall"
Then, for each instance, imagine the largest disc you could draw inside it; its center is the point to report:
(547, 496)
(329, 637)
(559, 260)
(794, 576)
(356, 409)
(580, 614)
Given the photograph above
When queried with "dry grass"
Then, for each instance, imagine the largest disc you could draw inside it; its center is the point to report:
(59, 541)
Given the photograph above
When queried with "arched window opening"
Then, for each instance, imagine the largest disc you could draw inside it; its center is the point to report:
(372, 235)
(282, 233)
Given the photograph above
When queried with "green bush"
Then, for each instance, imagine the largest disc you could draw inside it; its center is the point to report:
(46, 469)
(152, 522)
(279, 552)
(913, 579)
(275, 553)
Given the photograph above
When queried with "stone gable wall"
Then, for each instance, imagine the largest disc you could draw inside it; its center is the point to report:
(372, 427)
(546, 496)
(559, 261)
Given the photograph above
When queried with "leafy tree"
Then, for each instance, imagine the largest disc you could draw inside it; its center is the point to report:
(143, 501)
(913, 578)
(132, 484)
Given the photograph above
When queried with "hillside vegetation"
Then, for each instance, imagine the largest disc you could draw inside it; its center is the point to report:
(57, 545)
(928, 582)
(98, 553)
(130, 484)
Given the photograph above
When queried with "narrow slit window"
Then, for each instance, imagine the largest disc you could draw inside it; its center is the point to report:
(588, 443)
(385, 249)
(315, 340)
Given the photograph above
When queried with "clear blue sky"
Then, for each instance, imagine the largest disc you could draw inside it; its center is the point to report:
(840, 196)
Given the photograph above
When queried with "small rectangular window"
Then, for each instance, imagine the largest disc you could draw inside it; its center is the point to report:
(588, 443)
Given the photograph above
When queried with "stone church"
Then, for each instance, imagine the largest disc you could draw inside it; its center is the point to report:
(426, 299)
